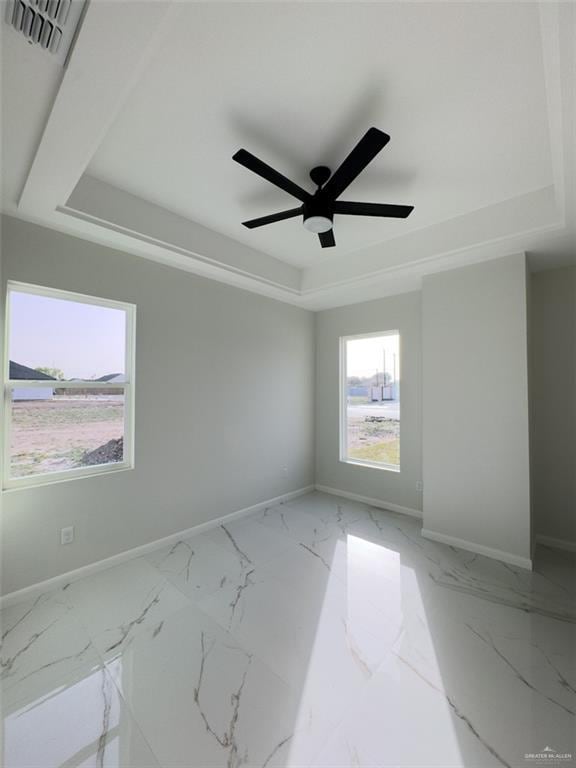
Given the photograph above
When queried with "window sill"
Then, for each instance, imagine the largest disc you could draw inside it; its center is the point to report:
(27, 483)
(372, 465)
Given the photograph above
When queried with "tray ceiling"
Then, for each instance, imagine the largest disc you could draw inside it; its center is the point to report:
(460, 89)
(131, 144)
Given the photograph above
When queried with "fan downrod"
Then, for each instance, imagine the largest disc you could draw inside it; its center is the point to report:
(320, 175)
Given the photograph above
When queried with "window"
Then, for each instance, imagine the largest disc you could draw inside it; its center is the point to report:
(69, 385)
(370, 400)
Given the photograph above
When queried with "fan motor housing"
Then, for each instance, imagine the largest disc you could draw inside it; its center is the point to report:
(318, 217)
(317, 207)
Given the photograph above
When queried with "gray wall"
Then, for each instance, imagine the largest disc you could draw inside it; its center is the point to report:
(400, 312)
(224, 401)
(475, 403)
(553, 389)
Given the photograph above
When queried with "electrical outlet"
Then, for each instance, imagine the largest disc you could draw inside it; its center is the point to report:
(67, 535)
(419, 485)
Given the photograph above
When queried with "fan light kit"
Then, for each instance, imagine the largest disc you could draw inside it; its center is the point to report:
(318, 224)
(318, 209)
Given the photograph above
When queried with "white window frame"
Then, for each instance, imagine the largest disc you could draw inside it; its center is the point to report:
(126, 386)
(343, 402)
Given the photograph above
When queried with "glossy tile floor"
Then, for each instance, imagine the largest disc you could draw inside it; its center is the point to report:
(317, 633)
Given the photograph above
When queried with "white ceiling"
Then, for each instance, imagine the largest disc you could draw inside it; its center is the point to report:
(131, 144)
(459, 88)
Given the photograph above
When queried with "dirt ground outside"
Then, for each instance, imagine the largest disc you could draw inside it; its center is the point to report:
(53, 435)
(373, 438)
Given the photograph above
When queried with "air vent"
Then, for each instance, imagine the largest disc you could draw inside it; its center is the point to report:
(50, 24)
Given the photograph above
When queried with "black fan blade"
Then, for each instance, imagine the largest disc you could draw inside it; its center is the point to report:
(373, 209)
(272, 218)
(250, 161)
(365, 151)
(327, 239)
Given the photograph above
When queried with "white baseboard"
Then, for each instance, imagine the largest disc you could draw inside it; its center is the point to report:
(549, 541)
(34, 590)
(479, 549)
(496, 554)
(372, 502)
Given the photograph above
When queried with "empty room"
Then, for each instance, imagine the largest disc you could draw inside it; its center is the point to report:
(288, 343)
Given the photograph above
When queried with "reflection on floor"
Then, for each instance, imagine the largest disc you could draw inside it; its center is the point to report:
(317, 633)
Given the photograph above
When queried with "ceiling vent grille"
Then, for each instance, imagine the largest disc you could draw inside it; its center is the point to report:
(48, 23)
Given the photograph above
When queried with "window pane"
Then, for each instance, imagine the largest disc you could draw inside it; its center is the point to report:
(63, 339)
(372, 391)
(56, 430)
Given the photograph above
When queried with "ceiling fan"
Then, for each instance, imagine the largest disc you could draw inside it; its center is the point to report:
(318, 208)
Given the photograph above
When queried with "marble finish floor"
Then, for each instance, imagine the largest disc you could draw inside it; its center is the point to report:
(321, 633)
